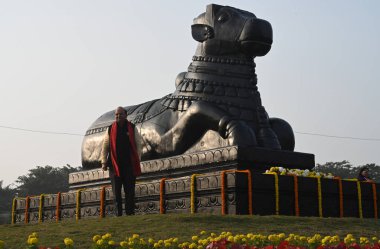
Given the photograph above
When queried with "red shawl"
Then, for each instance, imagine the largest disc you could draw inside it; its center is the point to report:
(134, 156)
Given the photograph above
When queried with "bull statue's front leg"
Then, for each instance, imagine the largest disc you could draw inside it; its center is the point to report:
(195, 122)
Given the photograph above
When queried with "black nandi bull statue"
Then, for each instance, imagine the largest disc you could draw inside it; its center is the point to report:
(216, 102)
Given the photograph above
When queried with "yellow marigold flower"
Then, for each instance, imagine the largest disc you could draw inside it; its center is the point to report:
(175, 240)
(202, 232)
(106, 236)
(349, 236)
(218, 238)
(205, 242)
(200, 247)
(96, 238)
(335, 239)
(135, 236)
(100, 242)
(325, 240)
(33, 241)
(374, 239)
(317, 237)
(193, 246)
(213, 234)
(31, 236)
(111, 243)
(311, 241)
(68, 242)
(185, 244)
(156, 245)
(347, 241)
(194, 238)
(124, 244)
(282, 236)
(364, 240)
(168, 244)
(35, 235)
(271, 237)
(231, 238)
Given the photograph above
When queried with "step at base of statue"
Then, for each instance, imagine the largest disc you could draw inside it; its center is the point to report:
(231, 157)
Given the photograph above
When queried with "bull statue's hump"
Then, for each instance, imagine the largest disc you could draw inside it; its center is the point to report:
(216, 102)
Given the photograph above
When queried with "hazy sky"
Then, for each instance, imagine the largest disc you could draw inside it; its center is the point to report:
(64, 63)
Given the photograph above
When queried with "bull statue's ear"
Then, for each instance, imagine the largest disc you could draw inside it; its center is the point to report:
(202, 32)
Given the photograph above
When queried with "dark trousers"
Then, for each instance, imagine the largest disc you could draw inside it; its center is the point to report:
(128, 182)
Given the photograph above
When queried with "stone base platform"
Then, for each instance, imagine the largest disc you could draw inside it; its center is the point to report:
(231, 157)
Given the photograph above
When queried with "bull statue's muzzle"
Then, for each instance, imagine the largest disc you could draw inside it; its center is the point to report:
(257, 37)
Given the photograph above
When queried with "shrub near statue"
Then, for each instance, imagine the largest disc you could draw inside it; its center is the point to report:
(216, 102)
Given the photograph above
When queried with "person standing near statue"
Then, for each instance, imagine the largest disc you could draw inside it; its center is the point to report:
(120, 155)
(364, 175)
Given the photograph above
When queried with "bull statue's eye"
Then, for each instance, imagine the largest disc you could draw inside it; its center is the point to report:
(223, 17)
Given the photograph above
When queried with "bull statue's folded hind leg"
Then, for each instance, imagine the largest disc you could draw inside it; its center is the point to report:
(195, 122)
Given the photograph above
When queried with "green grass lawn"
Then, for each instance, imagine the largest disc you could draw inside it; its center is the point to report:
(182, 226)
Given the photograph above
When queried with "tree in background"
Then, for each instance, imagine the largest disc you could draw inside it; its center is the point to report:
(45, 180)
(40, 180)
(345, 169)
(6, 195)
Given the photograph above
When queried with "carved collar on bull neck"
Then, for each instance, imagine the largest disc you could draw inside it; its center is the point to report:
(222, 69)
(248, 61)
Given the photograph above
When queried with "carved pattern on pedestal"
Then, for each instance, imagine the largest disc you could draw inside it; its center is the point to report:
(183, 162)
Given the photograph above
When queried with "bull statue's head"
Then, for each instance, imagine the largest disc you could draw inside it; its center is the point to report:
(224, 30)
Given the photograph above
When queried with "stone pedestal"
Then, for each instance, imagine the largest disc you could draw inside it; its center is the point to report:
(232, 157)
